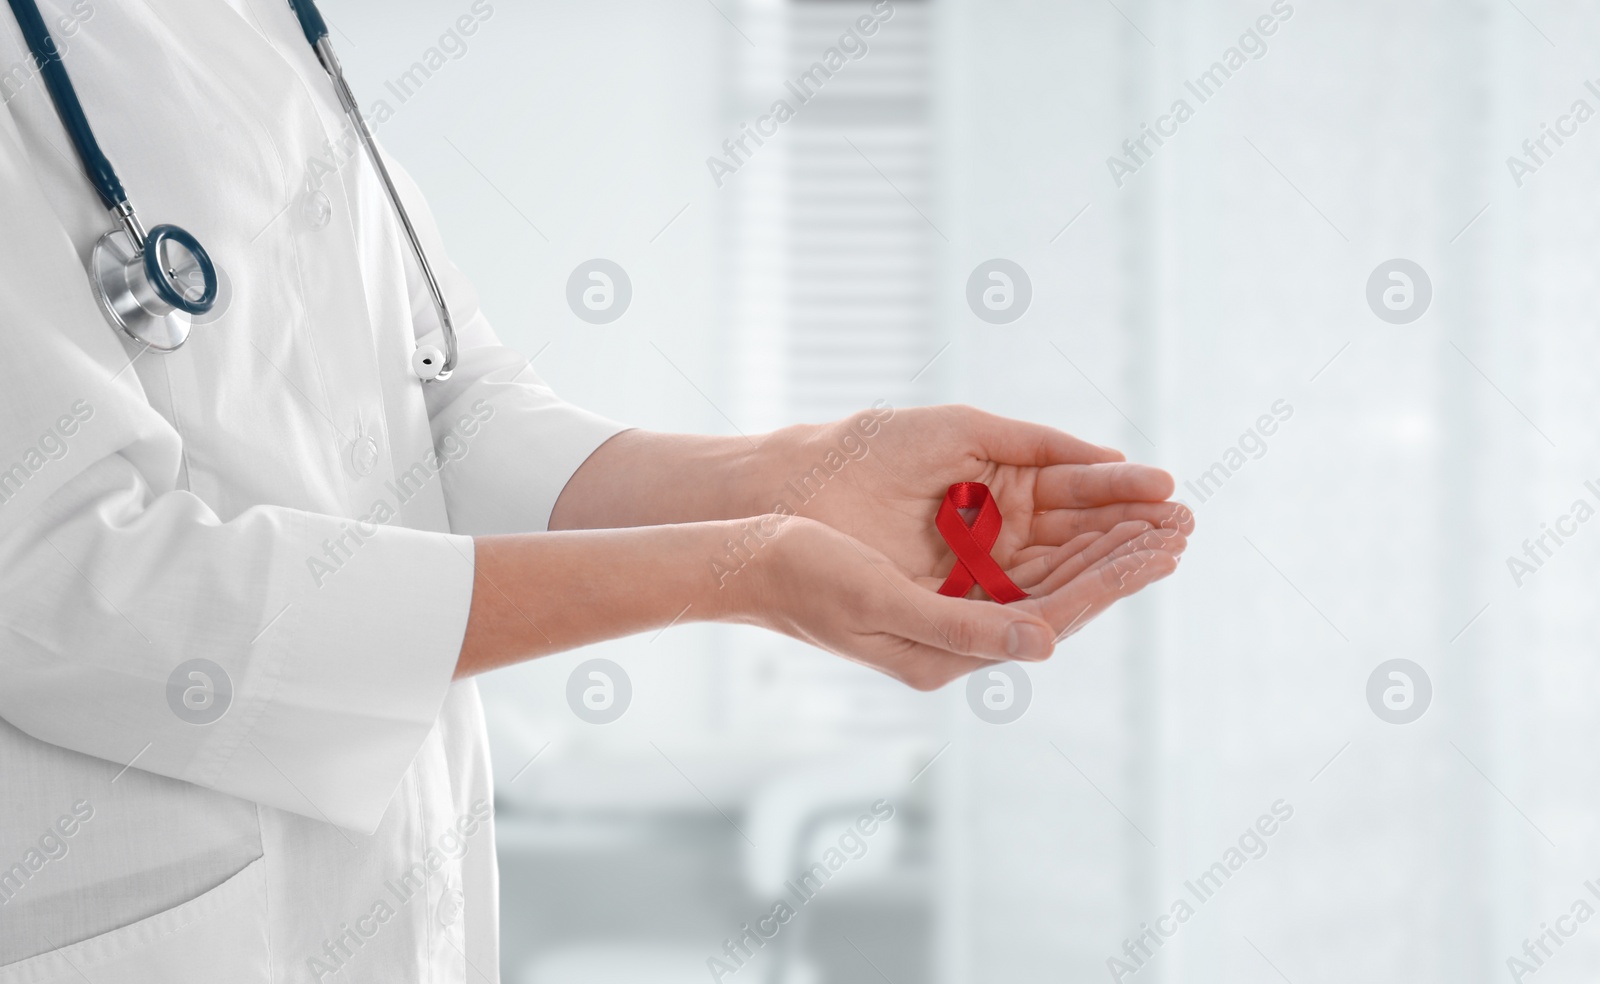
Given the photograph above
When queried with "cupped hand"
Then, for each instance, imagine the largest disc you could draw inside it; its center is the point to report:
(1052, 489)
(820, 585)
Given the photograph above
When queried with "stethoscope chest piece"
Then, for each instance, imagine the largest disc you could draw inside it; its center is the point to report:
(154, 293)
(153, 285)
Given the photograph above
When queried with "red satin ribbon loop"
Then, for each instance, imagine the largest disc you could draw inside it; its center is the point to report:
(973, 543)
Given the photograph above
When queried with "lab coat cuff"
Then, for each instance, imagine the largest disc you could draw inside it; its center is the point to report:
(358, 671)
(517, 445)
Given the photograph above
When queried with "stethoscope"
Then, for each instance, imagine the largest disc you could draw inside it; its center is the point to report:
(145, 281)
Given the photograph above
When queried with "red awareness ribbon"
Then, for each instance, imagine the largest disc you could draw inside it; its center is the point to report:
(972, 544)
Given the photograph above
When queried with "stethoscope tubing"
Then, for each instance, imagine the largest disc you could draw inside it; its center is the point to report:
(347, 99)
(46, 55)
(311, 21)
(109, 187)
(316, 32)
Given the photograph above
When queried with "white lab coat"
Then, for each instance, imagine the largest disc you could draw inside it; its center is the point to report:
(200, 505)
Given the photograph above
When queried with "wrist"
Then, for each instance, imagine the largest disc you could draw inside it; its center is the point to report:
(799, 463)
(745, 564)
(760, 477)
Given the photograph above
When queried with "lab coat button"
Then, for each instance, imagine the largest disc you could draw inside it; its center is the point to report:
(316, 209)
(364, 456)
(450, 906)
(364, 451)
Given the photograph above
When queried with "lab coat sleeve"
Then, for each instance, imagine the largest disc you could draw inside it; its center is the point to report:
(520, 458)
(115, 582)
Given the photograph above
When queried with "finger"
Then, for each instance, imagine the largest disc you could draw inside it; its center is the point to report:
(1125, 539)
(920, 666)
(1061, 525)
(972, 628)
(1045, 568)
(1018, 442)
(1077, 554)
(1173, 543)
(1059, 551)
(1077, 486)
(1033, 564)
(1030, 565)
(1078, 602)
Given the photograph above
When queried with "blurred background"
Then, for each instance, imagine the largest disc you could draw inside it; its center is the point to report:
(1427, 418)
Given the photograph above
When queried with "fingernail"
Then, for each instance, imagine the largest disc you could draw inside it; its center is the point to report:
(1025, 640)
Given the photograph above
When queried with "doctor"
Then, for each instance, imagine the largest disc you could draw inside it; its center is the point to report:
(244, 584)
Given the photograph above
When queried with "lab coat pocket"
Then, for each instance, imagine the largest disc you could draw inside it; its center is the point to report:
(219, 938)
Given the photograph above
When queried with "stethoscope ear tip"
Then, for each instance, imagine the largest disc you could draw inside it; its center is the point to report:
(427, 362)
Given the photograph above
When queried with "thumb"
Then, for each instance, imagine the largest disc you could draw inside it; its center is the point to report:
(978, 628)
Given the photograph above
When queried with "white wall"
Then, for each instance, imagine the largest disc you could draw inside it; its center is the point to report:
(1222, 278)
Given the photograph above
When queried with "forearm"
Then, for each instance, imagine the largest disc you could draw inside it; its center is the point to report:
(540, 593)
(645, 478)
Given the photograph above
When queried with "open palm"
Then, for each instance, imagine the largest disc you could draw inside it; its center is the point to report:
(1058, 496)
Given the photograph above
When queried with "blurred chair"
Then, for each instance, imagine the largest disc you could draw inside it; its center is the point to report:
(594, 963)
(789, 822)
(792, 820)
